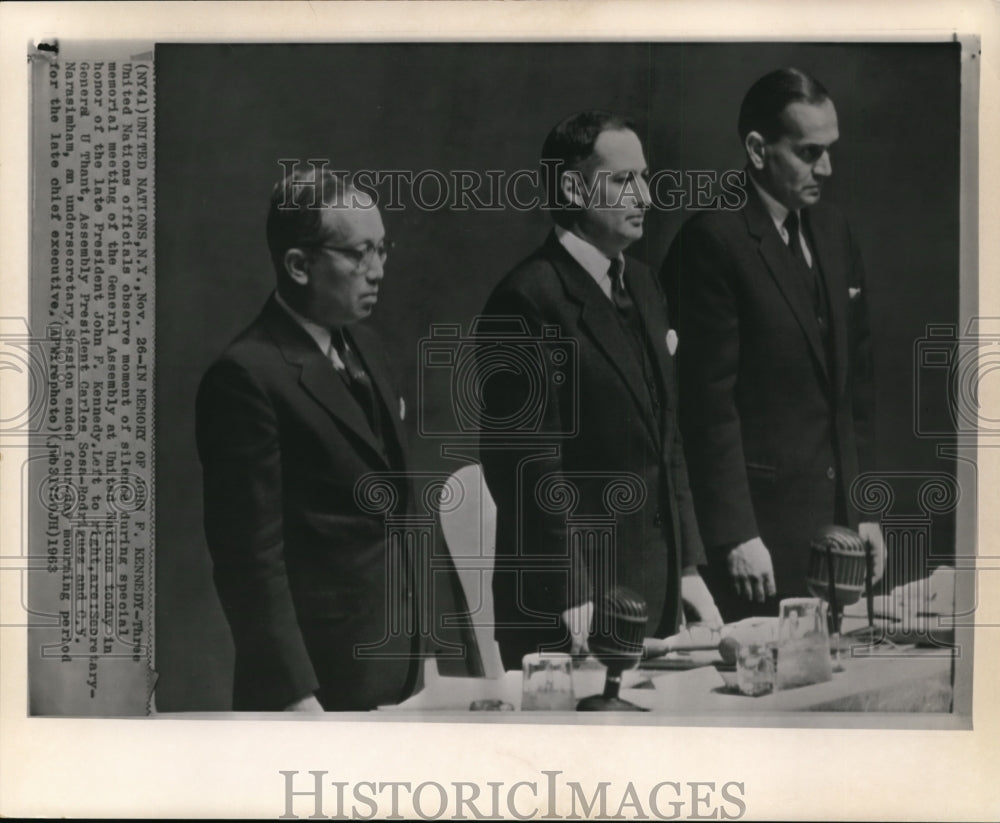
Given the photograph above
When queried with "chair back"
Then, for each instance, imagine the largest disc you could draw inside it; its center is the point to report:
(469, 529)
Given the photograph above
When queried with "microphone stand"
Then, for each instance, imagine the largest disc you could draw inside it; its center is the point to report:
(869, 591)
(609, 701)
(616, 639)
(838, 666)
(836, 575)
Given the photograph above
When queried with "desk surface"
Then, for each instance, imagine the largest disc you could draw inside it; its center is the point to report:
(905, 680)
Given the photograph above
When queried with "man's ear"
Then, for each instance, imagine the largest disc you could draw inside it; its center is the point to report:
(756, 149)
(571, 186)
(297, 266)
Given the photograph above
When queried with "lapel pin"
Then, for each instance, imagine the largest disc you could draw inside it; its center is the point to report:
(852, 293)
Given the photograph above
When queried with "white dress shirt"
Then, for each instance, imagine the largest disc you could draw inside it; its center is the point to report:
(778, 214)
(319, 333)
(594, 261)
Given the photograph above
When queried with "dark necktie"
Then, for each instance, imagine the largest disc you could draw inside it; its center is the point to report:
(358, 380)
(625, 305)
(619, 293)
(794, 239)
(810, 274)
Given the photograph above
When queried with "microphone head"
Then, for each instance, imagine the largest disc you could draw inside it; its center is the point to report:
(849, 551)
(619, 627)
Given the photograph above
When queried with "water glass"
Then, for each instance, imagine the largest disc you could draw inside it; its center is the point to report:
(803, 643)
(547, 682)
(755, 668)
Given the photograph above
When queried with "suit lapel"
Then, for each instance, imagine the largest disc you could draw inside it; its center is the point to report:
(654, 320)
(373, 364)
(778, 261)
(598, 320)
(317, 375)
(830, 258)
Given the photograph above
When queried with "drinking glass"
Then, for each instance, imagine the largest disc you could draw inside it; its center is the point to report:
(803, 643)
(547, 682)
(755, 668)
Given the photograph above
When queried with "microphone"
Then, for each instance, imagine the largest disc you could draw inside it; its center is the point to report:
(839, 568)
(616, 640)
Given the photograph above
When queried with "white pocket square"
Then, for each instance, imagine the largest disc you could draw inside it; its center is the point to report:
(402, 409)
(671, 341)
(853, 293)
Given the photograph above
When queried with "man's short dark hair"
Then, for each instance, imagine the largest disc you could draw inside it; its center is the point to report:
(295, 215)
(569, 144)
(768, 98)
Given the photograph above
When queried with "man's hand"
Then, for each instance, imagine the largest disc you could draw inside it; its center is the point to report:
(699, 600)
(309, 703)
(750, 570)
(577, 620)
(871, 533)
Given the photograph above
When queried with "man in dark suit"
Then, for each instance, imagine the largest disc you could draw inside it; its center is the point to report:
(292, 416)
(774, 356)
(592, 491)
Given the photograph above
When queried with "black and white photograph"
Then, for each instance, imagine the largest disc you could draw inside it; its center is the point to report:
(391, 404)
(688, 436)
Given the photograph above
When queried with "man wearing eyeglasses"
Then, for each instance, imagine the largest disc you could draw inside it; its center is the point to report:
(294, 413)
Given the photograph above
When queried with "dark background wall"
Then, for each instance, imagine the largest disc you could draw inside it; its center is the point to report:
(226, 114)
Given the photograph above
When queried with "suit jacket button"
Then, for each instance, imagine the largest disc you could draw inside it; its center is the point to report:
(657, 518)
(831, 473)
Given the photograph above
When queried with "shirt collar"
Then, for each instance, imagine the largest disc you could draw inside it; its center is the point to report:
(593, 260)
(319, 333)
(777, 211)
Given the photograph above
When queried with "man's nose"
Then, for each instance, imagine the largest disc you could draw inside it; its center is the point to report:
(643, 197)
(823, 167)
(376, 269)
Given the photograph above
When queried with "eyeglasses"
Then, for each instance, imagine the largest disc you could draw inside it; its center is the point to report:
(361, 257)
